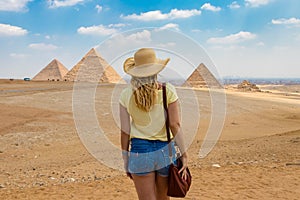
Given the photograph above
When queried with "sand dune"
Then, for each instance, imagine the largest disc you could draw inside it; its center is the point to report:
(42, 156)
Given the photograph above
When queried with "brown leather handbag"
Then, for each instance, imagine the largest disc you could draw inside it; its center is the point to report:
(177, 187)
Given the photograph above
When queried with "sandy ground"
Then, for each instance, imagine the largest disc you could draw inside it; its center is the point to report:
(42, 157)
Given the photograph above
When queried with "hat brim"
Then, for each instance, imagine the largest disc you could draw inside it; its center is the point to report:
(146, 70)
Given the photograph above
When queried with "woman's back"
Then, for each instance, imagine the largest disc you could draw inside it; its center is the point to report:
(147, 125)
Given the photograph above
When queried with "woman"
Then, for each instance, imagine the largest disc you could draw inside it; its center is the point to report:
(143, 126)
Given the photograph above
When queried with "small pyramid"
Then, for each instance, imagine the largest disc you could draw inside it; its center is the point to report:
(247, 86)
(90, 66)
(55, 70)
(196, 78)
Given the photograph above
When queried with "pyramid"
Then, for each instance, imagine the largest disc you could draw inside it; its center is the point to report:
(55, 70)
(90, 67)
(246, 86)
(196, 80)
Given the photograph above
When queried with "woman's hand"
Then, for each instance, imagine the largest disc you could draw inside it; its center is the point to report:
(125, 159)
(183, 171)
(126, 169)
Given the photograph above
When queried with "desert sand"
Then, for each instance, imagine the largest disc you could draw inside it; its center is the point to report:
(42, 157)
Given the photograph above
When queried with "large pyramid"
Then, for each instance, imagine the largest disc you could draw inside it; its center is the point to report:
(55, 70)
(90, 67)
(196, 78)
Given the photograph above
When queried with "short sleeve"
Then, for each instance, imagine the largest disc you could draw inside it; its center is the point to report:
(124, 97)
(171, 93)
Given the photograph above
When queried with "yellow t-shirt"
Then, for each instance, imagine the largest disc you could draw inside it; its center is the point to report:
(148, 125)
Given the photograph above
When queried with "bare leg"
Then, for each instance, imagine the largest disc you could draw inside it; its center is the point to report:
(161, 187)
(145, 186)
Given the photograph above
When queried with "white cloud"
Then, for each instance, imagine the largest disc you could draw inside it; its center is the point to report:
(158, 15)
(122, 40)
(283, 21)
(117, 25)
(256, 3)
(16, 55)
(196, 30)
(169, 26)
(232, 48)
(9, 30)
(42, 46)
(99, 8)
(144, 36)
(234, 5)
(63, 3)
(100, 30)
(175, 14)
(166, 45)
(261, 44)
(208, 6)
(13, 5)
(233, 38)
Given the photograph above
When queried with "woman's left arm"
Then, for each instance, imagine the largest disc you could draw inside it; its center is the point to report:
(125, 128)
(125, 136)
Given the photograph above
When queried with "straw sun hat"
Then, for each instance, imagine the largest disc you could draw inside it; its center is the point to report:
(144, 63)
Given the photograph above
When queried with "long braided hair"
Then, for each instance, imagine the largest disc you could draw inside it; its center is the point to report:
(145, 91)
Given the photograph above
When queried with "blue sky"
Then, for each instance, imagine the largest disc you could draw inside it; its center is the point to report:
(246, 38)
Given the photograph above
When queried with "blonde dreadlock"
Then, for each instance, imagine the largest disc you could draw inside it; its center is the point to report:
(145, 91)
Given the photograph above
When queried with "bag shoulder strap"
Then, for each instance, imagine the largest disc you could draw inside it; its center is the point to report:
(167, 119)
(166, 111)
